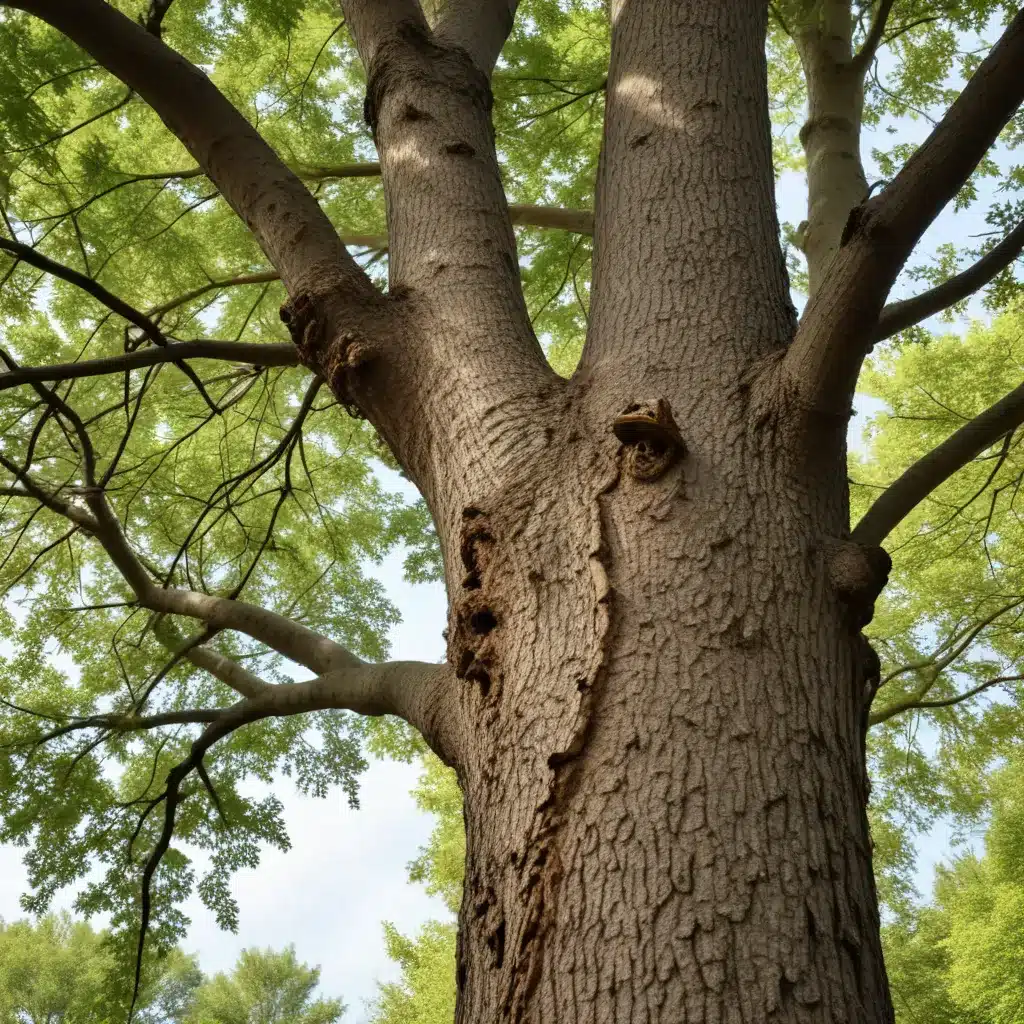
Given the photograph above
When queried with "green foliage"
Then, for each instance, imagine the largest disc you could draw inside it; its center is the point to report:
(961, 960)
(929, 50)
(265, 987)
(950, 620)
(60, 972)
(426, 992)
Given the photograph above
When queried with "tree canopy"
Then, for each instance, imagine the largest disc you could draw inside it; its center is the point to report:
(192, 519)
(61, 971)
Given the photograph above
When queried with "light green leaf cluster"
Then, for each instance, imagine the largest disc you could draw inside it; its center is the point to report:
(60, 971)
(961, 960)
(426, 992)
(265, 987)
(952, 618)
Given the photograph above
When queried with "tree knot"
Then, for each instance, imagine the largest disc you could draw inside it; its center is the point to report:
(336, 357)
(650, 438)
(857, 574)
(304, 324)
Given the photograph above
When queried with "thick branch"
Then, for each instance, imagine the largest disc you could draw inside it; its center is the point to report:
(480, 27)
(295, 641)
(229, 351)
(841, 318)
(899, 499)
(286, 220)
(228, 671)
(30, 489)
(706, 236)
(580, 222)
(898, 316)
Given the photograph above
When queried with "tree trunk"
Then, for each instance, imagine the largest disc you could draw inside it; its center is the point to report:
(665, 798)
(654, 618)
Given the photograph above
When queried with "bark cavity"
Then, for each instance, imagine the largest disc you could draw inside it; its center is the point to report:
(650, 439)
(472, 647)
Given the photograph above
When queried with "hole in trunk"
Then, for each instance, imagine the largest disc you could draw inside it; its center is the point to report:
(496, 944)
(482, 622)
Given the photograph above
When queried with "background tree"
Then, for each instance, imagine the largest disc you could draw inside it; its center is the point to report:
(657, 687)
(426, 992)
(58, 972)
(265, 987)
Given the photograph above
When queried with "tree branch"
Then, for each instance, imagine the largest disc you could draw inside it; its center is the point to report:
(79, 516)
(125, 723)
(954, 646)
(578, 221)
(898, 316)
(480, 27)
(898, 707)
(255, 354)
(294, 641)
(154, 20)
(373, 23)
(262, 277)
(293, 231)
(841, 318)
(902, 496)
(221, 667)
(399, 688)
(874, 38)
(34, 258)
(284, 635)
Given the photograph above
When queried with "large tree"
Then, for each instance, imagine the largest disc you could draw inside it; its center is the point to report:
(657, 686)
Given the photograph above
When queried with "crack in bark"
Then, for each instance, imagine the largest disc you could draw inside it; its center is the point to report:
(540, 862)
(472, 649)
